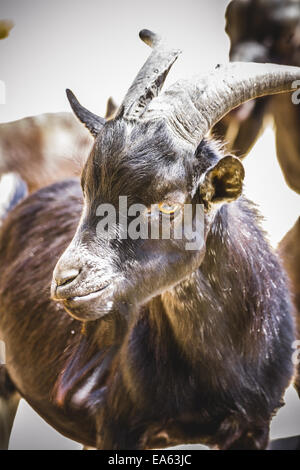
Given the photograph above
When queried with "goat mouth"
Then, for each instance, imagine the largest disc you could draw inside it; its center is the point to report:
(89, 296)
(91, 306)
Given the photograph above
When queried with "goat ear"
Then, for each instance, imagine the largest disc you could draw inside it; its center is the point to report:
(224, 181)
(91, 121)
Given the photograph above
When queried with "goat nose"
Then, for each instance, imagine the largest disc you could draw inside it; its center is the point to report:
(63, 278)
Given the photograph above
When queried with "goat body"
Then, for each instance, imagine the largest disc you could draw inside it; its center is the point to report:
(178, 345)
(206, 361)
(43, 149)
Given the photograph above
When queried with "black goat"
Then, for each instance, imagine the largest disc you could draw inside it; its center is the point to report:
(188, 345)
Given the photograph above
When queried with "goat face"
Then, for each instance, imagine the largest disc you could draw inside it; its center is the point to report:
(171, 192)
(153, 153)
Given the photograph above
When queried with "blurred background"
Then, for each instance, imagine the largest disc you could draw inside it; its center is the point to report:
(93, 48)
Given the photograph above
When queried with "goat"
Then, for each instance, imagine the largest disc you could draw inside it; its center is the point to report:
(46, 148)
(172, 345)
(43, 149)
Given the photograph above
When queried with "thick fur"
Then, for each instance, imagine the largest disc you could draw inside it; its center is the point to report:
(208, 360)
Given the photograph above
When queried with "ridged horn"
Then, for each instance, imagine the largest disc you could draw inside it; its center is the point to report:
(193, 107)
(150, 78)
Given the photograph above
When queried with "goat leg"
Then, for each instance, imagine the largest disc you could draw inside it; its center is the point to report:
(256, 439)
(9, 400)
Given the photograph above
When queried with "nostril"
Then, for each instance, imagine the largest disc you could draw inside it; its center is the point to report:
(66, 277)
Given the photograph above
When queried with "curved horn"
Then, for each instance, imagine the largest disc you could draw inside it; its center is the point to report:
(193, 107)
(150, 78)
(91, 121)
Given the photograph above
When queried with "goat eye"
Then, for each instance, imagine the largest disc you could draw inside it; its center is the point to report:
(168, 208)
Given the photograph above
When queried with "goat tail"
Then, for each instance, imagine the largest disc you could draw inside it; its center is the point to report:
(12, 190)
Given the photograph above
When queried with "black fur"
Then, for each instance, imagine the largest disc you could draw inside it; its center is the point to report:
(205, 360)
